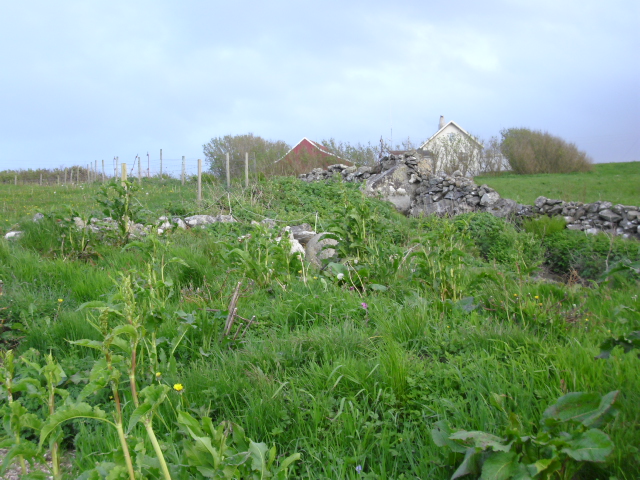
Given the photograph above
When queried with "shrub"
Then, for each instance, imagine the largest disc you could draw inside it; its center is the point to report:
(499, 241)
(589, 255)
(530, 151)
(543, 225)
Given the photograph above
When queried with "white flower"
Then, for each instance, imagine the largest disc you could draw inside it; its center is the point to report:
(340, 276)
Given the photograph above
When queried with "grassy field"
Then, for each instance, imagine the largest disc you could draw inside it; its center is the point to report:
(614, 182)
(351, 366)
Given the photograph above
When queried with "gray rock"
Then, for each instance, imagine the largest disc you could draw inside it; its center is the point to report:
(225, 219)
(196, 220)
(180, 223)
(401, 202)
(503, 208)
(633, 214)
(37, 217)
(619, 209)
(15, 234)
(609, 216)
(540, 201)
(489, 199)
(319, 248)
(591, 231)
(269, 222)
(574, 226)
(302, 233)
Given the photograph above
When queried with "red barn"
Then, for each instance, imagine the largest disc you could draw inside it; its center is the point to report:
(306, 156)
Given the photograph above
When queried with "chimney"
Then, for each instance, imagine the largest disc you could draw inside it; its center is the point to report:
(441, 124)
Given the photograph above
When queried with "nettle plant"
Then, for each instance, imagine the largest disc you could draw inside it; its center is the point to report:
(569, 437)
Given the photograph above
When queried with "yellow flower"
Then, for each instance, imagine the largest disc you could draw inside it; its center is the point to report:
(299, 271)
(178, 387)
(536, 297)
(59, 300)
(540, 304)
(515, 294)
(586, 319)
(158, 374)
(315, 278)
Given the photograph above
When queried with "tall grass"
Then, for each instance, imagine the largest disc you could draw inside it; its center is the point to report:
(355, 389)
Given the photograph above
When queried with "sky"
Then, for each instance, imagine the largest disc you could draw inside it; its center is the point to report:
(90, 80)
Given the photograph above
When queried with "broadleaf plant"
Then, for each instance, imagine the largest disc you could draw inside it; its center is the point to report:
(569, 436)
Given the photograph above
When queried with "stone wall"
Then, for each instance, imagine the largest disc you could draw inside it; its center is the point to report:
(407, 182)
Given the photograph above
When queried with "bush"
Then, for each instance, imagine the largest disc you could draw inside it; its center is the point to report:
(499, 241)
(530, 151)
(589, 255)
(543, 225)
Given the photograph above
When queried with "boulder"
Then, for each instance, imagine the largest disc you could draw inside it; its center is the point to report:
(319, 248)
(489, 199)
(609, 216)
(503, 207)
(303, 233)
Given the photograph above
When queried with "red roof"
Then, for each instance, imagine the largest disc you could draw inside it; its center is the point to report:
(306, 156)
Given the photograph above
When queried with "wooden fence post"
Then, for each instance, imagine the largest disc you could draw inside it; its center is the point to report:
(139, 172)
(40, 179)
(228, 173)
(183, 170)
(199, 180)
(123, 173)
(15, 179)
(255, 167)
(103, 176)
(246, 169)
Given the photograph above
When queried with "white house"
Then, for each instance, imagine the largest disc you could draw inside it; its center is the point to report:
(453, 148)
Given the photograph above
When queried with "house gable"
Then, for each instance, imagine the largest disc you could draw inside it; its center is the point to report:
(448, 129)
(305, 156)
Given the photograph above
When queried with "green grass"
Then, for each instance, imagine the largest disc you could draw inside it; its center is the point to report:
(613, 182)
(319, 373)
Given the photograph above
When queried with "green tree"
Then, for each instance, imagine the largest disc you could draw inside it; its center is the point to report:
(533, 151)
(262, 153)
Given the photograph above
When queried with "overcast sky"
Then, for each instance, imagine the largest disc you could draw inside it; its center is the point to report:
(89, 80)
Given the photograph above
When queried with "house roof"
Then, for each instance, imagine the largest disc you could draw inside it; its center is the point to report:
(451, 122)
(311, 145)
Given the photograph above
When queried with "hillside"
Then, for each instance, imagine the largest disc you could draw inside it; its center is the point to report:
(613, 182)
(361, 367)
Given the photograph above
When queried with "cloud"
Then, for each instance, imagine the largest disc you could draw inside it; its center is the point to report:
(87, 80)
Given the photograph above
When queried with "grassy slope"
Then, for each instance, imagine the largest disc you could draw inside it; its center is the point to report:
(320, 374)
(614, 182)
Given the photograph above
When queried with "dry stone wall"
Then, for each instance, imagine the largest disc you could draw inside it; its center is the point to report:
(407, 182)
